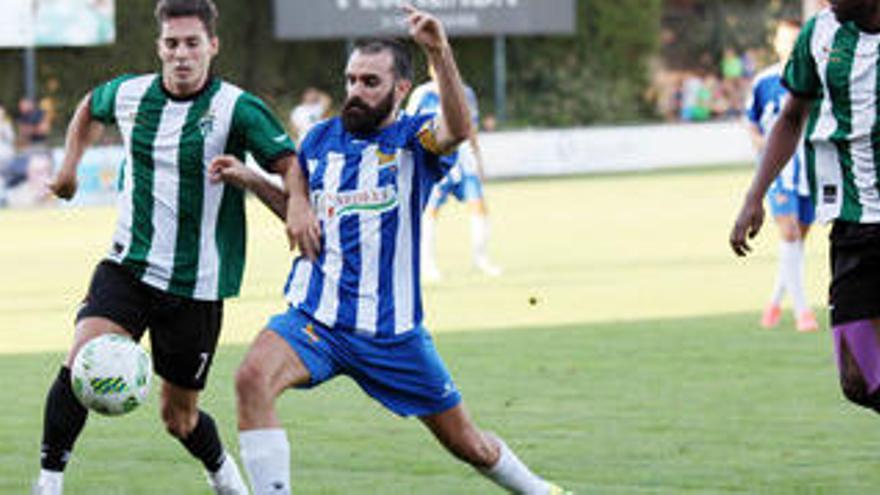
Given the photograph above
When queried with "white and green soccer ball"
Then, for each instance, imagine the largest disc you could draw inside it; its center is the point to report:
(111, 374)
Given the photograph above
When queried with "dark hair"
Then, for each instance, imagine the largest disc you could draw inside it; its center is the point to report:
(205, 10)
(403, 66)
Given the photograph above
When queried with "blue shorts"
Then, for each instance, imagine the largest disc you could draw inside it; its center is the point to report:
(467, 189)
(405, 374)
(788, 202)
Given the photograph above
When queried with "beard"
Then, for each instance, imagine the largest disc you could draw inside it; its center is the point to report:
(360, 118)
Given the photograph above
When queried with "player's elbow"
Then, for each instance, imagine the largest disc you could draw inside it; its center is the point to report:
(459, 133)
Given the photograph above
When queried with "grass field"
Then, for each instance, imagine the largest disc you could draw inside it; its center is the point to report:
(640, 370)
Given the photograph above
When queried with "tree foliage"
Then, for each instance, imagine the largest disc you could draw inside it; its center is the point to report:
(597, 75)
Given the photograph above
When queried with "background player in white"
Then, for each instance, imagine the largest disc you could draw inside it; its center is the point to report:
(789, 196)
(178, 248)
(355, 308)
(464, 181)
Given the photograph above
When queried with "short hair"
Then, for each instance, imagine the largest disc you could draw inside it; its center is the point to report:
(403, 66)
(205, 10)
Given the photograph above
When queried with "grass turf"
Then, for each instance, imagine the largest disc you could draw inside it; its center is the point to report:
(638, 370)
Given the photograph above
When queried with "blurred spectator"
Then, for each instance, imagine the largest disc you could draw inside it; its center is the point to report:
(32, 124)
(7, 138)
(314, 106)
(749, 63)
(733, 83)
(489, 123)
(33, 190)
(695, 98)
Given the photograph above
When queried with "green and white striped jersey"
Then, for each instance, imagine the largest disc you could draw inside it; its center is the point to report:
(839, 66)
(177, 231)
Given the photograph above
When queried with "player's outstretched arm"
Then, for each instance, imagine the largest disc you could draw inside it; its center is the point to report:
(780, 147)
(231, 170)
(428, 32)
(81, 131)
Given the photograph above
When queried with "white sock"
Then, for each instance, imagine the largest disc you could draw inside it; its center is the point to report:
(266, 458)
(50, 482)
(510, 473)
(480, 237)
(791, 260)
(778, 288)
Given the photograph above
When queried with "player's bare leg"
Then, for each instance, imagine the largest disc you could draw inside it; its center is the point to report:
(487, 453)
(63, 415)
(270, 367)
(480, 232)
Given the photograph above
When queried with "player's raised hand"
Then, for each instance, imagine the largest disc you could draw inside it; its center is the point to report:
(230, 170)
(748, 224)
(64, 183)
(424, 28)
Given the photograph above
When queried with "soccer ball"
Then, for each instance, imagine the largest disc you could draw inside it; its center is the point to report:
(111, 374)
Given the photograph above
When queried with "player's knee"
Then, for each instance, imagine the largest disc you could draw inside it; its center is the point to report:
(856, 391)
(250, 381)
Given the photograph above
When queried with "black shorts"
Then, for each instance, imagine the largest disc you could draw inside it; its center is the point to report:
(183, 331)
(855, 272)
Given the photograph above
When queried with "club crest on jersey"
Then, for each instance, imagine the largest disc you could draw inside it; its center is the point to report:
(338, 204)
(387, 161)
(206, 123)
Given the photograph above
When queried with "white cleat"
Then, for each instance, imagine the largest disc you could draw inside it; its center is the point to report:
(227, 480)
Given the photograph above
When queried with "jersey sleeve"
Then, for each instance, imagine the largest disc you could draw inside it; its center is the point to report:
(260, 132)
(103, 100)
(801, 76)
(423, 132)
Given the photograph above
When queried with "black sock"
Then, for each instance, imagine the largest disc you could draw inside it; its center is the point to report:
(63, 420)
(204, 443)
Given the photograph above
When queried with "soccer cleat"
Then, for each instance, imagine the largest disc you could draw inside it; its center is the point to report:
(806, 322)
(558, 490)
(49, 483)
(770, 317)
(227, 480)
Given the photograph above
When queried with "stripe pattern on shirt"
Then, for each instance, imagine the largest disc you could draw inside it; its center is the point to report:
(842, 154)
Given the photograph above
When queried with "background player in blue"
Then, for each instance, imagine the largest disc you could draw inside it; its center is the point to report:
(355, 308)
(464, 181)
(789, 196)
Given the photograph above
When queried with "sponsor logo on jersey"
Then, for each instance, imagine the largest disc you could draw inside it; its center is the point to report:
(338, 204)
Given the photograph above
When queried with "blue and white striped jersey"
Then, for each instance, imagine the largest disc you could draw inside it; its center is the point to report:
(368, 193)
(767, 98)
(425, 99)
